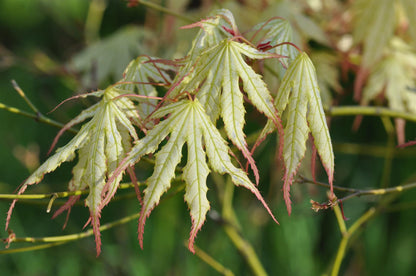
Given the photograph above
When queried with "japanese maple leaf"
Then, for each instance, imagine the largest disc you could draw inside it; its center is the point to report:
(101, 143)
(187, 123)
(215, 79)
(300, 98)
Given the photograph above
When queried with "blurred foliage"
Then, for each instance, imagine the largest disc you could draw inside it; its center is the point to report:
(41, 39)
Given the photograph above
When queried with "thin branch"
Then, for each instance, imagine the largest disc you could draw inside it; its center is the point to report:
(359, 192)
(243, 246)
(336, 111)
(211, 261)
(25, 98)
(64, 238)
(347, 234)
(31, 248)
(37, 117)
(372, 150)
(59, 194)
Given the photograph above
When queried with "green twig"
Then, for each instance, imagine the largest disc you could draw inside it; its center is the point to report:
(59, 194)
(243, 246)
(211, 261)
(31, 248)
(64, 238)
(37, 117)
(347, 234)
(25, 98)
(336, 111)
(372, 150)
(359, 192)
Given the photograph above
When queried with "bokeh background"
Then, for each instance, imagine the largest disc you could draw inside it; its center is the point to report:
(56, 49)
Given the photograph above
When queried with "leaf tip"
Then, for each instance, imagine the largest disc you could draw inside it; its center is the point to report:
(95, 221)
(286, 193)
(259, 197)
(140, 228)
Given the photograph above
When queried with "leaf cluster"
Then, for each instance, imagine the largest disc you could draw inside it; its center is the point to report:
(215, 81)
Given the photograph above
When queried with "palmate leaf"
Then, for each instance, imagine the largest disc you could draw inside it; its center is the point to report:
(101, 143)
(299, 95)
(217, 75)
(188, 123)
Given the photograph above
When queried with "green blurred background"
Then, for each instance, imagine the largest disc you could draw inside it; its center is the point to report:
(55, 49)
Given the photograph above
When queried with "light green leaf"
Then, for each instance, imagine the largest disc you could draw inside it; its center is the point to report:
(101, 147)
(187, 123)
(195, 174)
(225, 64)
(299, 97)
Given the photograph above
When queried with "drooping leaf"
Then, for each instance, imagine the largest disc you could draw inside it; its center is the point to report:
(101, 144)
(187, 123)
(300, 98)
(109, 57)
